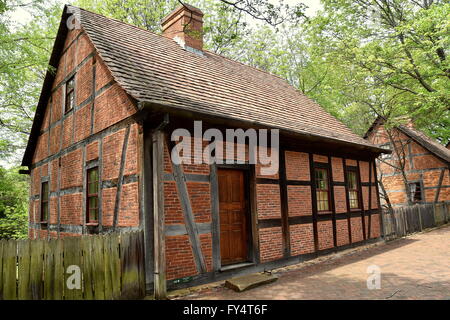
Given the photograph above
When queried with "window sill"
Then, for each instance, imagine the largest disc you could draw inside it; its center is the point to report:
(43, 222)
(92, 224)
(324, 212)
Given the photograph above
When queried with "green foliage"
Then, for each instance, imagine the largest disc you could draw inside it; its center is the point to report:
(223, 25)
(24, 55)
(397, 51)
(13, 204)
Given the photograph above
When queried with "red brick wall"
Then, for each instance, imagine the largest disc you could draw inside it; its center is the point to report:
(179, 257)
(297, 166)
(109, 104)
(299, 201)
(357, 230)
(268, 201)
(270, 244)
(337, 169)
(342, 235)
(340, 199)
(199, 193)
(375, 226)
(325, 234)
(302, 238)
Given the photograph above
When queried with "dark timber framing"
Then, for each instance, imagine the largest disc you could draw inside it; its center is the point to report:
(360, 199)
(284, 203)
(120, 178)
(191, 226)
(441, 177)
(147, 205)
(347, 200)
(370, 201)
(314, 201)
(333, 205)
(215, 220)
(160, 286)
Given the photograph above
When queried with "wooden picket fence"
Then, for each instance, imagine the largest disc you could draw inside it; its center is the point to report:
(406, 220)
(111, 267)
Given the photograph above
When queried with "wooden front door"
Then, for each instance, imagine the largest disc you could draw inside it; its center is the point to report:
(233, 216)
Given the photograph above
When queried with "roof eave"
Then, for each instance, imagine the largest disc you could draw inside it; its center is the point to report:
(167, 107)
(424, 145)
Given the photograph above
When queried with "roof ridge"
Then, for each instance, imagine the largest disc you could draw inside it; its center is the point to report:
(208, 51)
(421, 138)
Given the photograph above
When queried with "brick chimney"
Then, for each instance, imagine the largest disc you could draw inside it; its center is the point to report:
(185, 26)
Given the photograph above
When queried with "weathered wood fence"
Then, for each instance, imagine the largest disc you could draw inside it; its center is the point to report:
(96, 267)
(406, 220)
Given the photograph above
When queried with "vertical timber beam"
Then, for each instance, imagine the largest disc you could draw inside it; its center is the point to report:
(215, 218)
(380, 211)
(333, 205)
(147, 205)
(370, 200)
(158, 215)
(284, 204)
(347, 200)
(314, 201)
(361, 200)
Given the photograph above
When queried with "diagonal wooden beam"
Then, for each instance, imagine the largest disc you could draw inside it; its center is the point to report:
(191, 226)
(120, 178)
(441, 177)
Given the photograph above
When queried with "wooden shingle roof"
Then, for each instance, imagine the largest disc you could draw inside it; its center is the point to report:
(426, 142)
(156, 70)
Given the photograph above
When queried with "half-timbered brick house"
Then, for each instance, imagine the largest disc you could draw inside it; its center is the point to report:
(99, 155)
(424, 163)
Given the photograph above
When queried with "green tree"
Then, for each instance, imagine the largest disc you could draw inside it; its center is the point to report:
(13, 204)
(24, 54)
(398, 53)
(223, 25)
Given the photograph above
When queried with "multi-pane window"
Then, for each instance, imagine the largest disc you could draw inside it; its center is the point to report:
(415, 190)
(44, 202)
(353, 190)
(70, 94)
(92, 195)
(322, 189)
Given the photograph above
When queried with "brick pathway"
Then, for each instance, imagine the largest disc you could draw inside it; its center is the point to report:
(417, 267)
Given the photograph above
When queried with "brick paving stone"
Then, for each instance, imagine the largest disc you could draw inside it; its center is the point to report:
(416, 267)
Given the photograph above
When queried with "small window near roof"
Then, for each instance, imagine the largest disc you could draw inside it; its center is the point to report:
(353, 190)
(386, 156)
(322, 189)
(415, 189)
(92, 195)
(44, 202)
(70, 94)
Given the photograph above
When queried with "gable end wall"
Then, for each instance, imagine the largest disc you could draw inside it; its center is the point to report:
(421, 165)
(92, 134)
